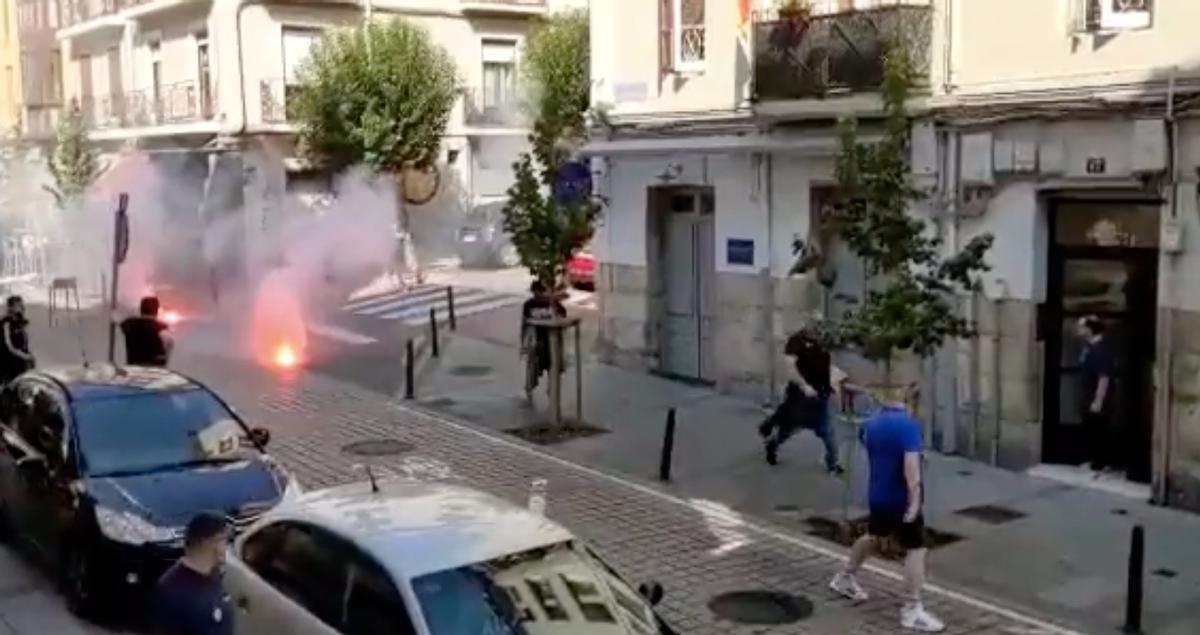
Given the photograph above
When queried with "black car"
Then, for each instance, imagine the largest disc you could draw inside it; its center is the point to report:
(101, 467)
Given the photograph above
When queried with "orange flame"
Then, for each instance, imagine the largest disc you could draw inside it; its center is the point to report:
(285, 357)
(171, 317)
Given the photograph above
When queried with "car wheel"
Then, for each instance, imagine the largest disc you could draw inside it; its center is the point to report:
(78, 580)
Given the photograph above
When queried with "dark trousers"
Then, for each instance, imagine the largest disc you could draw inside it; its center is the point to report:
(1098, 428)
(798, 412)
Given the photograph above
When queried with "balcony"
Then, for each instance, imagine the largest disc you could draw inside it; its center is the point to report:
(504, 7)
(80, 11)
(177, 103)
(485, 111)
(806, 55)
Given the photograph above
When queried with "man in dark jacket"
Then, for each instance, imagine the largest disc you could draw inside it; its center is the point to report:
(806, 400)
(146, 341)
(190, 598)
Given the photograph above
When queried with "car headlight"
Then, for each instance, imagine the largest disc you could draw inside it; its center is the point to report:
(131, 529)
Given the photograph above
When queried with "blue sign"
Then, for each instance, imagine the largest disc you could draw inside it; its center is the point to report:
(573, 183)
(739, 251)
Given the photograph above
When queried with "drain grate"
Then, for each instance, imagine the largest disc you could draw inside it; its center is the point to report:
(470, 371)
(760, 607)
(377, 447)
(991, 514)
(1164, 573)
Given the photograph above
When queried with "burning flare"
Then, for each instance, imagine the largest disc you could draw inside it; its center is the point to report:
(171, 318)
(285, 357)
(278, 333)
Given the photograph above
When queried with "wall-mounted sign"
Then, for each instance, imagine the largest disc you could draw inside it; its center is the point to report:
(1097, 165)
(739, 251)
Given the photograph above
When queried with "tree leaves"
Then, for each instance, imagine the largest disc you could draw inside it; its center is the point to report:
(908, 304)
(380, 95)
(72, 162)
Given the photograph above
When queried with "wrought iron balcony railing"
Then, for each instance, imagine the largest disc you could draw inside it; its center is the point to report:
(78, 11)
(805, 54)
(182, 102)
(485, 110)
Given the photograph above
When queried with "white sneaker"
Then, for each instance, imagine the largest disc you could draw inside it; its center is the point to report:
(847, 585)
(916, 618)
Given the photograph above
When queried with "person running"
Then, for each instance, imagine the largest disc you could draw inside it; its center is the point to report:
(893, 443)
(806, 400)
(15, 357)
(535, 340)
(190, 597)
(146, 340)
(1099, 391)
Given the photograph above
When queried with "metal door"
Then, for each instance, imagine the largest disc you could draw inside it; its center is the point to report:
(687, 260)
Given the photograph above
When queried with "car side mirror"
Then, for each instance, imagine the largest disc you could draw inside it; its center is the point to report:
(260, 436)
(652, 591)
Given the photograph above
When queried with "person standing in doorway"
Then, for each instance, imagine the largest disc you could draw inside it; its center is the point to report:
(15, 358)
(806, 400)
(1098, 364)
(893, 442)
(146, 340)
(190, 597)
(535, 340)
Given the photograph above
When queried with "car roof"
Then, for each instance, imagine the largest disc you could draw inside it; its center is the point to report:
(98, 381)
(415, 528)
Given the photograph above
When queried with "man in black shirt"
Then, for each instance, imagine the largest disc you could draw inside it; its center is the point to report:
(1099, 390)
(190, 598)
(146, 341)
(806, 400)
(535, 340)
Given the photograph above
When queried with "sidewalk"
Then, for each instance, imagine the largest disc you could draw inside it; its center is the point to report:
(29, 605)
(1059, 550)
(697, 547)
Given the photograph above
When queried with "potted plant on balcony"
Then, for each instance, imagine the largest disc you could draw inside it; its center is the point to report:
(907, 308)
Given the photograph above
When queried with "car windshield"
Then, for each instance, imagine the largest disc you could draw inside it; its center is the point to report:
(157, 430)
(554, 590)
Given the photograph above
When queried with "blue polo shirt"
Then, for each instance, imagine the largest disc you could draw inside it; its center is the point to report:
(888, 435)
(187, 602)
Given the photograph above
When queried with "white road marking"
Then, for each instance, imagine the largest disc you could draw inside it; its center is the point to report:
(340, 334)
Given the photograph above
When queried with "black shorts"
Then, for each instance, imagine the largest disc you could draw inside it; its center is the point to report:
(892, 525)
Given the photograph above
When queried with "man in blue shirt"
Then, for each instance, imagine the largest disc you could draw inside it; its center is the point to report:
(893, 442)
(1099, 370)
(190, 598)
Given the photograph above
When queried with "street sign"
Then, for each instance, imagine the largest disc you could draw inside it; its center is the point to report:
(121, 231)
(572, 183)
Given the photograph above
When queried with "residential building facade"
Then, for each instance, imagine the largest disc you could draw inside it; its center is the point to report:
(213, 77)
(1076, 148)
(10, 89)
(39, 67)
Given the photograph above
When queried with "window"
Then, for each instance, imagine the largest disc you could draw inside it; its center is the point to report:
(303, 563)
(204, 74)
(297, 47)
(499, 73)
(156, 430)
(38, 418)
(689, 35)
(373, 605)
(1114, 15)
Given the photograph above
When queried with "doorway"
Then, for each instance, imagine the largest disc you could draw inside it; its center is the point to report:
(1103, 262)
(686, 270)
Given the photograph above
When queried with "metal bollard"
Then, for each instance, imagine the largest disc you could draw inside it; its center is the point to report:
(433, 334)
(411, 358)
(1133, 594)
(450, 308)
(668, 448)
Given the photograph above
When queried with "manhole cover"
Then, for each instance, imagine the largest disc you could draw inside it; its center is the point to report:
(377, 447)
(441, 402)
(991, 514)
(470, 371)
(760, 607)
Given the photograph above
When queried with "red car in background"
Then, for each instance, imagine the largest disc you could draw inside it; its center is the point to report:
(581, 270)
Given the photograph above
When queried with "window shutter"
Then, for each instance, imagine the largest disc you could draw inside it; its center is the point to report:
(666, 37)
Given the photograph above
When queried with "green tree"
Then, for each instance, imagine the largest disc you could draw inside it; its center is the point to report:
(547, 229)
(72, 161)
(378, 95)
(909, 297)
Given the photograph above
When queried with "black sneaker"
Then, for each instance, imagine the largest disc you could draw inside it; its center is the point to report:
(772, 453)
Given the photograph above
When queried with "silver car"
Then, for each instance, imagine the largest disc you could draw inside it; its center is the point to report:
(425, 559)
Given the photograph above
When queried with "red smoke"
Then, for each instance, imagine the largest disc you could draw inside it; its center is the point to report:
(278, 334)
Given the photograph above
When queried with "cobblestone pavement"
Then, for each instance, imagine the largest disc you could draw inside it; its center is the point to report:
(696, 548)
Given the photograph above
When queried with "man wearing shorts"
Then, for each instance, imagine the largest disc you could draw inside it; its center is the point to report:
(893, 441)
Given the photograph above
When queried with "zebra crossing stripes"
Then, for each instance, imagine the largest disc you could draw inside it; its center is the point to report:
(412, 305)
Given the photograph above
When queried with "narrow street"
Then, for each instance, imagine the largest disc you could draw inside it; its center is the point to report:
(697, 548)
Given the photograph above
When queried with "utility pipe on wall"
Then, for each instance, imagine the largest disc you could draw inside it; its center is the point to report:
(1165, 327)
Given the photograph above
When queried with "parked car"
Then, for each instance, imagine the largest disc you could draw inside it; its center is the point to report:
(481, 240)
(581, 270)
(406, 557)
(102, 466)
